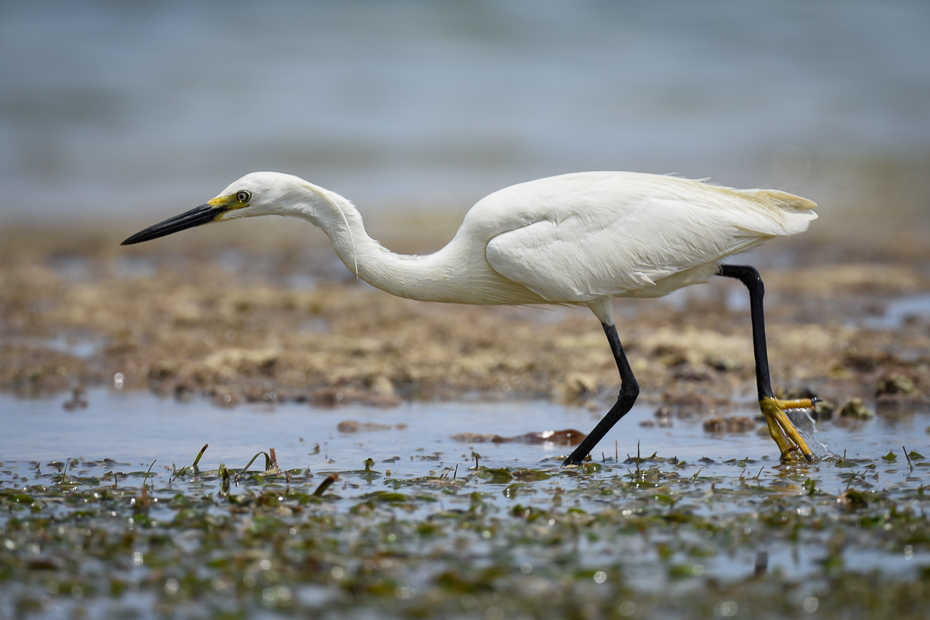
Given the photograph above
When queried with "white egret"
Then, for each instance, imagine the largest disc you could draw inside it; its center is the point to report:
(578, 239)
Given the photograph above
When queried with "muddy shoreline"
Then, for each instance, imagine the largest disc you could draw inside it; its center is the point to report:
(265, 314)
(412, 522)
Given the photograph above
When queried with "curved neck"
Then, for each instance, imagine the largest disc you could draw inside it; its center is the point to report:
(457, 273)
(341, 222)
(403, 275)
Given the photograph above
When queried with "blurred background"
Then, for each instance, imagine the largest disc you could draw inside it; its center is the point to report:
(140, 110)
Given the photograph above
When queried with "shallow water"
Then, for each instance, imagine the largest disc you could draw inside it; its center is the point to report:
(114, 108)
(137, 427)
(898, 312)
(430, 521)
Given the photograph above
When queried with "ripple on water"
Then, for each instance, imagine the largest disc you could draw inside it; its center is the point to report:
(659, 509)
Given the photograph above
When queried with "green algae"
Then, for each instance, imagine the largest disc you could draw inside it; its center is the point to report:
(713, 539)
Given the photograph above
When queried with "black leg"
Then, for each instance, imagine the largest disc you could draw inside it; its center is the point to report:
(780, 427)
(753, 281)
(629, 390)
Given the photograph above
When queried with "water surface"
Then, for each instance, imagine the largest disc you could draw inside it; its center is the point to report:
(113, 108)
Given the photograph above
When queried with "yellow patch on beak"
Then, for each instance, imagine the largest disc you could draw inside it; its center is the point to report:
(227, 204)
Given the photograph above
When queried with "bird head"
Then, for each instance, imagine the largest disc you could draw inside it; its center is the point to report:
(258, 193)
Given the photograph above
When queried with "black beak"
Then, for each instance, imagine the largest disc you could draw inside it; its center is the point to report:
(195, 217)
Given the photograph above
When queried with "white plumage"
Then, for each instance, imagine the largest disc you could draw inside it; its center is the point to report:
(578, 239)
(568, 239)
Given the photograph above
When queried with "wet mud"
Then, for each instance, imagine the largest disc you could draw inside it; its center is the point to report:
(271, 317)
(387, 503)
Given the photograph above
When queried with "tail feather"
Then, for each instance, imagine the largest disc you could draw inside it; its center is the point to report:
(781, 214)
(784, 199)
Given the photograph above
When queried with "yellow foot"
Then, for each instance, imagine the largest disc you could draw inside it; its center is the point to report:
(789, 441)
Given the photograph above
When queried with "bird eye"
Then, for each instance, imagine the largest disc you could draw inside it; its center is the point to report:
(243, 196)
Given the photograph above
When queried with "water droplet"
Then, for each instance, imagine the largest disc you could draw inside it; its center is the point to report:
(171, 586)
(726, 609)
(627, 608)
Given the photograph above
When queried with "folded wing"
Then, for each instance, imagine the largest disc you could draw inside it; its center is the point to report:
(628, 245)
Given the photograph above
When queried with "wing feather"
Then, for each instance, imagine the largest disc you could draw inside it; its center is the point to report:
(624, 243)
